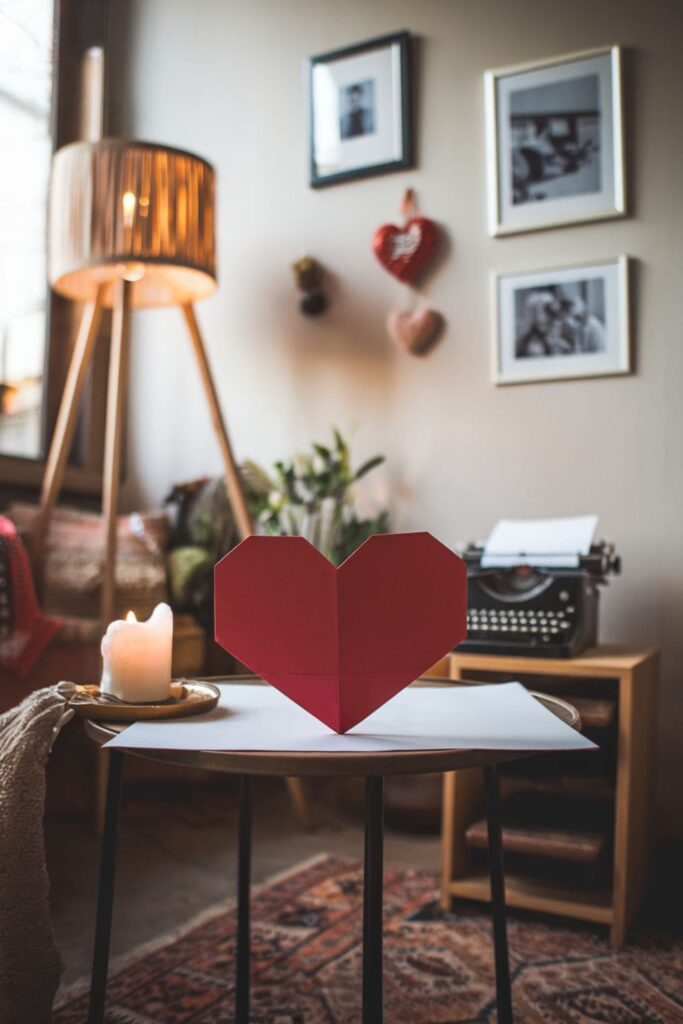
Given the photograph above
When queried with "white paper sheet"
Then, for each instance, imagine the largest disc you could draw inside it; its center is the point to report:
(550, 542)
(502, 717)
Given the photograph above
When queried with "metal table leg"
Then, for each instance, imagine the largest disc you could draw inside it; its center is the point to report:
(500, 938)
(372, 901)
(105, 894)
(243, 887)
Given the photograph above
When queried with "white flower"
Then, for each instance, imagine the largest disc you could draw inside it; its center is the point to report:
(302, 464)
(302, 491)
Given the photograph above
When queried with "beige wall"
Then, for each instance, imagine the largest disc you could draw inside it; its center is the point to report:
(226, 78)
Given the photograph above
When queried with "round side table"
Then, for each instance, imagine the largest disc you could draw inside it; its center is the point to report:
(373, 767)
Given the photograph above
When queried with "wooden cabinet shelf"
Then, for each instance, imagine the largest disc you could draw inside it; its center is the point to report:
(543, 825)
(595, 714)
(528, 893)
(616, 690)
(596, 787)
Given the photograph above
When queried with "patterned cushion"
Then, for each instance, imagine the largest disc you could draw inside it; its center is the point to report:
(75, 561)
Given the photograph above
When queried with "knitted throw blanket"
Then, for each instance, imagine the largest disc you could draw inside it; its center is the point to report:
(30, 966)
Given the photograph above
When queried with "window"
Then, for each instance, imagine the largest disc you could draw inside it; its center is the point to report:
(26, 87)
(42, 49)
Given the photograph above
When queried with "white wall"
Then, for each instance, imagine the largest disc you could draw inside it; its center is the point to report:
(226, 78)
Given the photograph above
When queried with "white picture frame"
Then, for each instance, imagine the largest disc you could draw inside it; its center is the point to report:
(561, 323)
(555, 148)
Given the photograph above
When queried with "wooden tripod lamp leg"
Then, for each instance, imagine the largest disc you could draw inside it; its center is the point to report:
(300, 802)
(233, 482)
(62, 436)
(118, 369)
(238, 501)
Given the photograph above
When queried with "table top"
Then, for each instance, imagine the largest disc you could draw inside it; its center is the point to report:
(393, 762)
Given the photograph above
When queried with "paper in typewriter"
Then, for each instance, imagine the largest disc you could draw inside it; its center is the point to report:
(502, 716)
(554, 543)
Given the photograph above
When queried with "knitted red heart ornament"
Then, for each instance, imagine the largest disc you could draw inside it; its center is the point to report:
(405, 252)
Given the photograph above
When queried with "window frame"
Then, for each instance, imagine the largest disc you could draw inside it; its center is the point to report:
(77, 26)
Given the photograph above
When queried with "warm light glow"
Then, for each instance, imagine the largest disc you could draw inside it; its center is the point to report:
(131, 271)
(131, 617)
(128, 202)
(161, 218)
(9, 401)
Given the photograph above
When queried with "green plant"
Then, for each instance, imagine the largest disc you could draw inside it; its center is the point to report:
(312, 496)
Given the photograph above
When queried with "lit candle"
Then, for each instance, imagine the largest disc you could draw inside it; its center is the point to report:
(137, 657)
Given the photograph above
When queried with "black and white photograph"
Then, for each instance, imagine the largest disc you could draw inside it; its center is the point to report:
(555, 135)
(360, 110)
(357, 109)
(560, 319)
(567, 322)
(555, 146)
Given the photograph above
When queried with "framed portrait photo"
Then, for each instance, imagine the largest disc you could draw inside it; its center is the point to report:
(565, 322)
(360, 110)
(555, 142)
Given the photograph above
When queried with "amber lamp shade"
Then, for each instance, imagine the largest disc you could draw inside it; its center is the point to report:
(133, 210)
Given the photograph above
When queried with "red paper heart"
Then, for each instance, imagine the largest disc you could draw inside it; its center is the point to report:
(405, 252)
(340, 642)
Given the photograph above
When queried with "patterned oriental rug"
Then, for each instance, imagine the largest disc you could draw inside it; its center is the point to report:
(306, 963)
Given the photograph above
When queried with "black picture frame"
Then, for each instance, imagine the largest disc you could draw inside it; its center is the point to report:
(401, 39)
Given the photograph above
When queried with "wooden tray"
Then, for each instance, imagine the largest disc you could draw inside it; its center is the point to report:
(189, 697)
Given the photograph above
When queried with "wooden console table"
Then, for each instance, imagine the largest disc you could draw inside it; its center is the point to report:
(625, 676)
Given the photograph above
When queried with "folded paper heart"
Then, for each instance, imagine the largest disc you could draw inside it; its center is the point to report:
(405, 252)
(340, 642)
(416, 331)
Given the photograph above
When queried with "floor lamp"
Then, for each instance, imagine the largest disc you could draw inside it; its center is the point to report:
(132, 225)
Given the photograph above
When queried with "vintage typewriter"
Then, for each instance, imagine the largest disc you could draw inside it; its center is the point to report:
(538, 611)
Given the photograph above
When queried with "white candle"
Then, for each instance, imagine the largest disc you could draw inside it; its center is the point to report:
(137, 657)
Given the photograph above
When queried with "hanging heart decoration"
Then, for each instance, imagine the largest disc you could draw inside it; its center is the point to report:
(405, 252)
(416, 331)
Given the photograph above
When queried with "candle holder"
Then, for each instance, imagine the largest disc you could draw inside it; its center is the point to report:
(188, 697)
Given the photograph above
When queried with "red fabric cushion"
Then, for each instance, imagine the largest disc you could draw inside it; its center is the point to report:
(24, 630)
